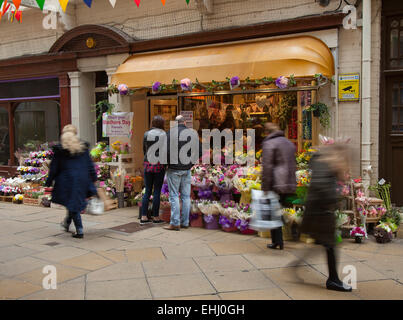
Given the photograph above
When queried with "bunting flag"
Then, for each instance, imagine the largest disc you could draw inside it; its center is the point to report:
(163, 2)
(17, 15)
(187, 1)
(88, 3)
(17, 4)
(63, 4)
(1, 2)
(112, 2)
(6, 6)
(137, 2)
(40, 3)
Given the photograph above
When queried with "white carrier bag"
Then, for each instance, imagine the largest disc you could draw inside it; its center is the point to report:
(267, 211)
(95, 206)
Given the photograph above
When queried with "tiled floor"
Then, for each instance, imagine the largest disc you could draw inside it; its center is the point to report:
(191, 264)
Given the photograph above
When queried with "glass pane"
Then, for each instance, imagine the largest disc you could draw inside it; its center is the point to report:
(4, 137)
(394, 23)
(395, 114)
(394, 63)
(394, 43)
(307, 125)
(29, 88)
(401, 43)
(293, 125)
(395, 100)
(36, 122)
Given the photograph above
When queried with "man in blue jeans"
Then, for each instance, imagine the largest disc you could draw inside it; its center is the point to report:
(178, 173)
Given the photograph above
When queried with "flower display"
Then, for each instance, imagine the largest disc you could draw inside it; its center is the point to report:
(123, 89)
(186, 84)
(208, 207)
(226, 222)
(292, 216)
(358, 232)
(305, 156)
(282, 82)
(303, 177)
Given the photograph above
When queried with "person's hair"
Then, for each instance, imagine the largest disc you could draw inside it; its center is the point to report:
(71, 142)
(180, 119)
(271, 127)
(158, 122)
(337, 156)
(69, 128)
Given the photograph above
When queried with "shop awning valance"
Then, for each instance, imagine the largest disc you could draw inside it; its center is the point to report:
(302, 56)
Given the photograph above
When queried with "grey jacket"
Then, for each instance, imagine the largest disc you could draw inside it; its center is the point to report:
(279, 165)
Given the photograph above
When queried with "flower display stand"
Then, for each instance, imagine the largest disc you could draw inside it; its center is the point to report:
(109, 204)
(6, 198)
(165, 214)
(248, 231)
(211, 223)
(197, 222)
(32, 201)
(264, 234)
(246, 197)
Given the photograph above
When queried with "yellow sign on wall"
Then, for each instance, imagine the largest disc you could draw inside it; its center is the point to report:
(349, 87)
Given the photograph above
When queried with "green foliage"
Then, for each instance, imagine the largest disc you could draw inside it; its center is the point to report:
(324, 115)
(393, 215)
(382, 191)
(101, 106)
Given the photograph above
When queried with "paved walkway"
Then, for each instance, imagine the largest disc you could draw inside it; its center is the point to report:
(190, 264)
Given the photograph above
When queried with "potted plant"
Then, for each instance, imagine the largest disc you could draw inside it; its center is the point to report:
(358, 233)
(383, 233)
(321, 111)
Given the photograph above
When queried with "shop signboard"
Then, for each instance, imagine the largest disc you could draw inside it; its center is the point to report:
(188, 115)
(349, 87)
(117, 124)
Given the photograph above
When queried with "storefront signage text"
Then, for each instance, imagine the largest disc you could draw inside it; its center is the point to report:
(117, 124)
(349, 87)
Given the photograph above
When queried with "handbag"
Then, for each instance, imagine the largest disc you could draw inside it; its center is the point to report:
(267, 211)
(95, 206)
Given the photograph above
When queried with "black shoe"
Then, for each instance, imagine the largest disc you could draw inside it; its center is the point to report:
(65, 226)
(78, 235)
(158, 221)
(338, 286)
(184, 227)
(275, 245)
(143, 222)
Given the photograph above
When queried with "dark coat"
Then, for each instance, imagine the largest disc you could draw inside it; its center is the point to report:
(74, 177)
(319, 220)
(151, 137)
(279, 164)
(178, 165)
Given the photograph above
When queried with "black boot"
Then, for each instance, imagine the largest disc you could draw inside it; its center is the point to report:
(78, 235)
(337, 285)
(275, 245)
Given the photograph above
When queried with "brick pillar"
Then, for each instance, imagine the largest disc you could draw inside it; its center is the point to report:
(65, 100)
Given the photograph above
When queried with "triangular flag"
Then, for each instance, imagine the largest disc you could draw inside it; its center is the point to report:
(17, 4)
(187, 1)
(18, 16)
(137, 2)
(40, 3)
(88, 3)
(63, 4)
(5, 7)
(113, 2)
(1, 2)
(163, 2)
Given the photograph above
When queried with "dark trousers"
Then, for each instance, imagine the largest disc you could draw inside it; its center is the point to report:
(76, 217)
(277, 233)
(152, 180)
(332, 265)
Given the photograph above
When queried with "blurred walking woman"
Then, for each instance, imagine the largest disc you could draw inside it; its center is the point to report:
(153, 172)
(328, 165)
(74, 175)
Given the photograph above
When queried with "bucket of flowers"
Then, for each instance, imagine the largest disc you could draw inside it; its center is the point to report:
(227, 211)
(358, 233)
(384, 232)
(210, 210)
(292, 219)
(243, 217)
(165, 207)
(195, 217)
(18, 198)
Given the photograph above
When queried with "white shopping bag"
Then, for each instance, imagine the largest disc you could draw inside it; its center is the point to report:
(95, 206)
(267, 211)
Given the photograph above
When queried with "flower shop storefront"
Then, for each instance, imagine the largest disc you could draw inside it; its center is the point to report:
(234, 86)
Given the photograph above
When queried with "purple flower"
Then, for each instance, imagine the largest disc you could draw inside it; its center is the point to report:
(186, 84)
(165, 189)
(156, 87)
(282, 82)
(208, 218)
(234, 82)
(123, 89)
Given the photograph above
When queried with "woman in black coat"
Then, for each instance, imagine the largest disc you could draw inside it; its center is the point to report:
(328, 166)
(74, 175)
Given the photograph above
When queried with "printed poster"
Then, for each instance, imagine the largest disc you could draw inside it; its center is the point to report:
(117, 124)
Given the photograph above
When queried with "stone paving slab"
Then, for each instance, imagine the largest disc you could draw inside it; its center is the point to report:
(234, 247)
(130, 289)
(89, 261)
(65, 291)
(58, 254)
(262, 294)
(171, 267)
(223, 263)
(187, 250)
(14, 289)
(119, 271)
(20, 265)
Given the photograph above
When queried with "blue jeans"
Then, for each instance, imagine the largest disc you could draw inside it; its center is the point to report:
(156, 180)
(76, 217)
(179, 182)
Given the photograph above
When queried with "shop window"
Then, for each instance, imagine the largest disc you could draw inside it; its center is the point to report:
(48, 87)
(36, 122)
(244, 111)
(4, 137)
(395, 43)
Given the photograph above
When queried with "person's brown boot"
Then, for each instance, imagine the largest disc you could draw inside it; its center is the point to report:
(171, 227)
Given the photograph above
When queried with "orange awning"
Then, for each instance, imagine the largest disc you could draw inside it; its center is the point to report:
(303, 56)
